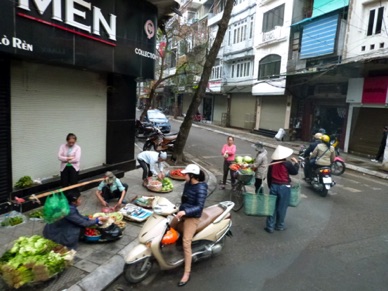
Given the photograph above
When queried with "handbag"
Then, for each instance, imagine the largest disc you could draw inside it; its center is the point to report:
(259, 204)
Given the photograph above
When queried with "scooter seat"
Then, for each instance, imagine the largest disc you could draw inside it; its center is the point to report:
(170, 137)
(209, 214)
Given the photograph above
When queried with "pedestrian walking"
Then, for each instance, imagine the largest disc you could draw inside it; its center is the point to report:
(70, 155)
(190, 210)
(228, 151)
(111, 188)
(149, 161)
(260, 165)
(279, 183)
(383, 143)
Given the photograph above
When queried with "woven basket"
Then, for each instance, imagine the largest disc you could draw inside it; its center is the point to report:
(245, 178)
(155, 186)
(259, 204)
(295, 196)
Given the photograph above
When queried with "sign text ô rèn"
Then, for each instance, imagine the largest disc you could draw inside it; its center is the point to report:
(71, 12)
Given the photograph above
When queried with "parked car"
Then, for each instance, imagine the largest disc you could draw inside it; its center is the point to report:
(157, 118)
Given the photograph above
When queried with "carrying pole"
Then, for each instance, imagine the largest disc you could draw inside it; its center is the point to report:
(37, 196)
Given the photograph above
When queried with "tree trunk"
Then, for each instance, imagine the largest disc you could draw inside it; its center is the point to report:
(201, 90)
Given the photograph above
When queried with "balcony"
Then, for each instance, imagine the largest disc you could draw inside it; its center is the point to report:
(280, 33)
(195, 4)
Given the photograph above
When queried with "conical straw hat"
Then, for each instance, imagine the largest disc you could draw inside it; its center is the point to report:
(281, 153)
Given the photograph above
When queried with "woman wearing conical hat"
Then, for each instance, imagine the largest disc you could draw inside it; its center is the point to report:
(279, 183)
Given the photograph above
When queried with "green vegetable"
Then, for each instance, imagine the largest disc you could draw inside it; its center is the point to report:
(24, 182)
(36, 214)
(247, 159)
(239, 159)
(32, 259)
(11, 221)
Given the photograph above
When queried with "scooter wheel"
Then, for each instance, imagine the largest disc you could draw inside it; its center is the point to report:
(138, 271)
(338, 168)
(324, 192)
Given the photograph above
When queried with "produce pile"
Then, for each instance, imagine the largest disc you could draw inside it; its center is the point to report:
(167, 185)
(33, 259)
(37, 214)
(177, 174)
(91, 232)
(239, 167)
(11, 219)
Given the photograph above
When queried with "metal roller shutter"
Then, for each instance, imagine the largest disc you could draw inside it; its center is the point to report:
(273, 112)
(47, 103)
(5, 161)
(242, 111)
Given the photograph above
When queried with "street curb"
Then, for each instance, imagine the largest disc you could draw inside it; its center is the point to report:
(348, 166)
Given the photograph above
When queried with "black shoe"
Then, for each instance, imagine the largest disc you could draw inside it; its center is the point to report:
(268, 230)
(181, 283)
(280, 228)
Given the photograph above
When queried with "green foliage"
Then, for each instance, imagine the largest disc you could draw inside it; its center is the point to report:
(24, 182)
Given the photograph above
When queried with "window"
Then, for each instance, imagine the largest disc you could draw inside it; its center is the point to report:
(241, 68)
(375, 23)
(269, 67)
(240, 29)
(272, 18)
(216, 70)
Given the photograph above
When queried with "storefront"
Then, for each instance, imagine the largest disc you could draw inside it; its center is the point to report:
(70, 66)
(368, 112)
(272, 106)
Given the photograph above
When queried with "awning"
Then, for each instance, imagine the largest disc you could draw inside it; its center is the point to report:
(322, 7)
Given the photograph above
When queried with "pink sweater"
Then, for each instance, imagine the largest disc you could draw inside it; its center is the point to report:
(231, 151)
(65, 152)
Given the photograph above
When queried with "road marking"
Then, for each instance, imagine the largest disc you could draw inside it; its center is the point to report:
(348, 188)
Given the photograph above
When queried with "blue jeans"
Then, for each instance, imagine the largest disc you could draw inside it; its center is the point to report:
(282, 192)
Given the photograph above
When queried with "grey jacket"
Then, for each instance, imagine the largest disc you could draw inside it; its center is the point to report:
(261, 164)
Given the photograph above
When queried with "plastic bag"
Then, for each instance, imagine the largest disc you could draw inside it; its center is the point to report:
(12, 218)
(55, 207)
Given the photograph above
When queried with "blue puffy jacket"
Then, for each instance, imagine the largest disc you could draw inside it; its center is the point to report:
(193, 199)
(66, 231)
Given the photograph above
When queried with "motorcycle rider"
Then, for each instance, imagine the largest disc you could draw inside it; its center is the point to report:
(193, 202)
(307, 153)
(148, 161)
(323, 154)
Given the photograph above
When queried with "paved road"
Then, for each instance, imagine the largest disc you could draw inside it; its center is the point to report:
(335, 243)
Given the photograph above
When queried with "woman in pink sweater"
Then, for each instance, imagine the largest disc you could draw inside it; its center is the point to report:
(69, 154)
(228, 152)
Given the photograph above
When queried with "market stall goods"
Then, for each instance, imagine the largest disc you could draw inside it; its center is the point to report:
(33, 259)
(177, 174)
(165, 186)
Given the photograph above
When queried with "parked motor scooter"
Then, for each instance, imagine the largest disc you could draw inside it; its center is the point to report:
(143, 129)
(320, 179)
(157, 242)
(160, 141)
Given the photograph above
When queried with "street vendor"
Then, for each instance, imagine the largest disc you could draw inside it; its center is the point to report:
(111, 188)
(148, 160)
(66, 231)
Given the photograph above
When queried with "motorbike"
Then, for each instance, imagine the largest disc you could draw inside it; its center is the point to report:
(156, 244)
(143, 129)
(320, 179)
(160, 141)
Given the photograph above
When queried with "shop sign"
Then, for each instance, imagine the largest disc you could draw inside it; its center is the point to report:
(110, 36)
(71, 13)
(375, 90)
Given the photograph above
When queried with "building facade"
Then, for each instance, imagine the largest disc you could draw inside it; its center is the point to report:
(70, 66)
(272, 39)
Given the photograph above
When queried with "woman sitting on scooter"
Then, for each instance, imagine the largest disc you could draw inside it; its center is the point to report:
(192, 203)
